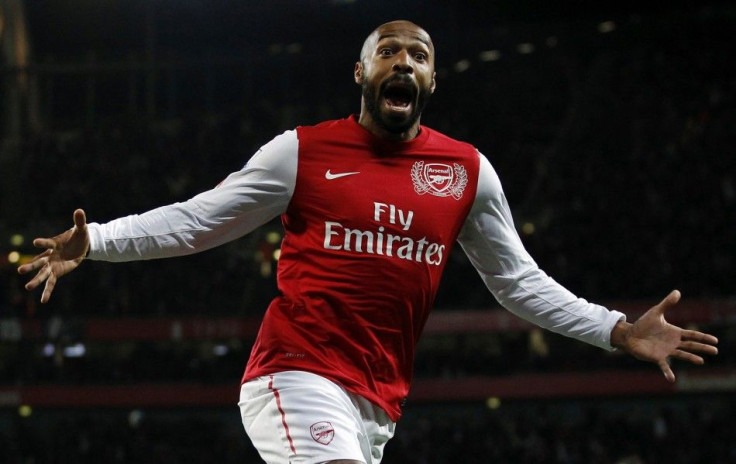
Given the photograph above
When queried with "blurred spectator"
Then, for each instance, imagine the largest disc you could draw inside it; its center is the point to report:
(614, 146)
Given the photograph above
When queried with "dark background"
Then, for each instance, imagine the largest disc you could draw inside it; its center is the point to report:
(612, 128)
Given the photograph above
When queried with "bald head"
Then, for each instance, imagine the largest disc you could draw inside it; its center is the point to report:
(395, 28)
(396, 73)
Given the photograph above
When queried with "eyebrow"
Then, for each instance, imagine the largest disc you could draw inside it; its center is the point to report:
(395, 36)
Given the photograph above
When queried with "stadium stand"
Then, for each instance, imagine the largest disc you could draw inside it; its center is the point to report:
(613, 133)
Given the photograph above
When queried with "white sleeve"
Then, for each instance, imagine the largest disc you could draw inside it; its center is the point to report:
(245, 200)
(490, 240)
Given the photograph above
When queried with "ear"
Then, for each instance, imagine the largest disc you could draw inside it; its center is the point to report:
(358, 73)
(434, 82)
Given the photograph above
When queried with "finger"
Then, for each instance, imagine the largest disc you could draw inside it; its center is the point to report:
(80, 218)
(43, 254)
(32, 284)
(689, 357)
(37, 262)
(666, 370)
(699, 337)
(25, 268)
(42, 275)
(670, 300)
(698, 347)
(44, 243)
(48, 289)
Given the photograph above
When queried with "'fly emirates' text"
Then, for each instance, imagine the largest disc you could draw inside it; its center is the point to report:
(339, 237)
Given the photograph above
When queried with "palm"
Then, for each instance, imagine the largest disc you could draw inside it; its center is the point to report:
(63, 254)
(651, 338)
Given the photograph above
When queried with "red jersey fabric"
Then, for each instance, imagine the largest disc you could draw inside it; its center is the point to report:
(368, 232)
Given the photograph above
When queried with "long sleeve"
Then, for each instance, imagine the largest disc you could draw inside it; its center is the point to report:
(245, 200)
(492, 244)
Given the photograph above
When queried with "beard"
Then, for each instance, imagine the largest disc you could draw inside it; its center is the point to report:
(394, 124)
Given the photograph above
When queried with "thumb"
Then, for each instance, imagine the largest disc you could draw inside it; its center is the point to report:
(670, 300)
(80, 219)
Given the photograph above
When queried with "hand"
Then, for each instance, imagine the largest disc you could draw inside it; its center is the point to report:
(651, 338)
(63, 254)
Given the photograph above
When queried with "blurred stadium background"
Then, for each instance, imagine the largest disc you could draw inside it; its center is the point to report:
(613, 129)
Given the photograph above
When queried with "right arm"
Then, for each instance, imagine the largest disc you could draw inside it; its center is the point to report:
(245, 200)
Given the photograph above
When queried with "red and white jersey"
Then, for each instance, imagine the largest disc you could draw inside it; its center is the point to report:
(367, 234)
(369, 225)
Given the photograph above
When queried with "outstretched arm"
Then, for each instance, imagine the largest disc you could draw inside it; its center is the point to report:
(490, 240)
(63, 254)
(651, 338)
(245, 200)
(492, 244)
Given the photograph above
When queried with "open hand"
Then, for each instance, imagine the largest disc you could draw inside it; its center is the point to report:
(651, 338)
(63, 254)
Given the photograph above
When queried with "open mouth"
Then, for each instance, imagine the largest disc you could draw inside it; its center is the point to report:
(398, 95)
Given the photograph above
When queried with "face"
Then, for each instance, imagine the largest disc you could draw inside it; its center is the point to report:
(396, 73)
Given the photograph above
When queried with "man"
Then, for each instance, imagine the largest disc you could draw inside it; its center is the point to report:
(371, 207)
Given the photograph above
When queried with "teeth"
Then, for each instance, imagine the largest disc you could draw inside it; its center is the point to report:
(399, 97)
(398, 103)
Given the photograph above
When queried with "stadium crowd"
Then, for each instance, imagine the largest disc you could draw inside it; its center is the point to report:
(616, 153)
(562, 432)
(72, 360)
(613, 150)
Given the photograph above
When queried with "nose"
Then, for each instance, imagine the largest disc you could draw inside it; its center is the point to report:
(402, 63)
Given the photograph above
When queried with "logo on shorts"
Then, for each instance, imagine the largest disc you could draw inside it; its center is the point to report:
(441, 180)
(322, 432)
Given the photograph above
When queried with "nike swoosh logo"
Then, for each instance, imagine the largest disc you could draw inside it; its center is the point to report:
(330, 176)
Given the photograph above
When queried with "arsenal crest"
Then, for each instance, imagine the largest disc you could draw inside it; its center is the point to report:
(439, 179)
(322, 432)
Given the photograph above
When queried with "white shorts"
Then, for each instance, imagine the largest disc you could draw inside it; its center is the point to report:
(297, 417)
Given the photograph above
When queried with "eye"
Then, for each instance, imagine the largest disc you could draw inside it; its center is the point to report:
(420, 56)
(385, 52)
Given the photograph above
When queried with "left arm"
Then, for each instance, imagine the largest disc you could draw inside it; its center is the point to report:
(492, 244)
